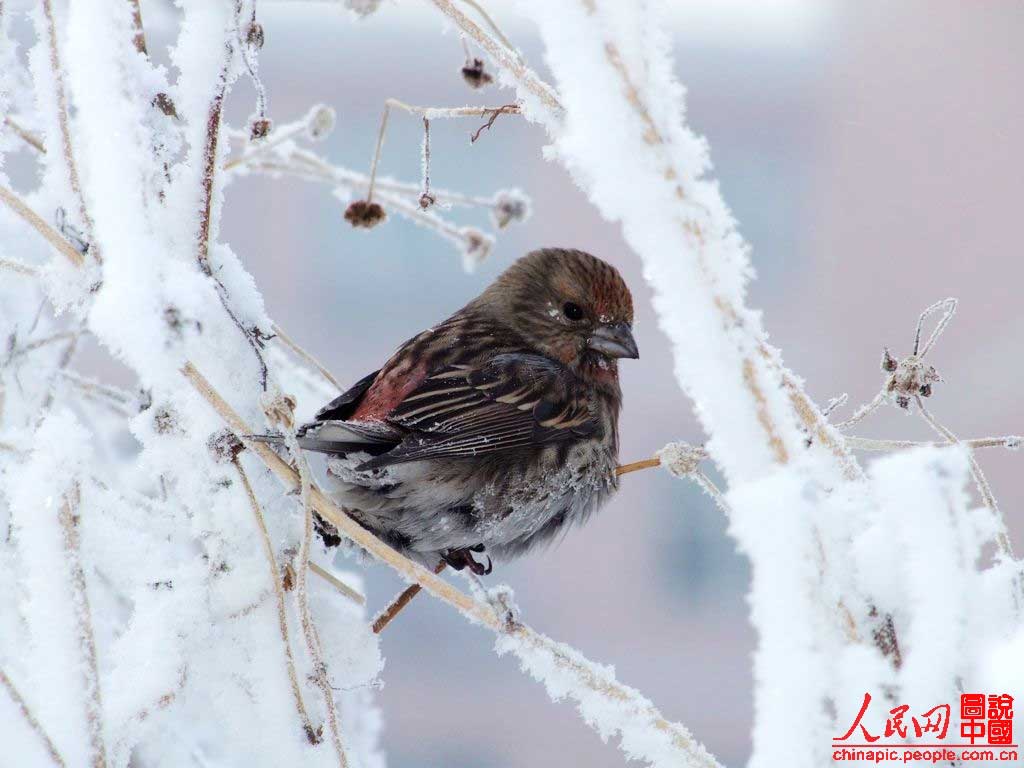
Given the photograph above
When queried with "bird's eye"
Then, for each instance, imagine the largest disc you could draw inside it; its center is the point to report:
(572, 311)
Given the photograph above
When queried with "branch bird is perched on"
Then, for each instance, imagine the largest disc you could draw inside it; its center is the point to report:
(497, 428)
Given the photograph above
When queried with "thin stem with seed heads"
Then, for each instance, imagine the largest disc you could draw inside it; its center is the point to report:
(494, 28)
(282, 612)
(33, 723)
(425, 198)
(504, 57)
(377, 149)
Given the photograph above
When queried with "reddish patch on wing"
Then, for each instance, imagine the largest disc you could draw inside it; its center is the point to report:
(389, 389)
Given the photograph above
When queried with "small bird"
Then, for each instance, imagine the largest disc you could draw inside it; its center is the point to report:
(494, 430)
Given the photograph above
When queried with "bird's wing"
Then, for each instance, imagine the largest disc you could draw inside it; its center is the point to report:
(512, 401)
(344, 405)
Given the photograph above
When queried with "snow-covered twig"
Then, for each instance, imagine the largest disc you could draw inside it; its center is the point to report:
(657, 736)
(33, 723)
(306, 356)
(25, 135)
(49, 233)
(1010, 442)
(338, 584)
(67, 149)
(387, 615)
(12, 265)
(507, 59)
(68, 518)
(282, 611)
(280, 411)
(980, 481)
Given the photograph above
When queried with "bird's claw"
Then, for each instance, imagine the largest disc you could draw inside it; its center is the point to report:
(463, 558)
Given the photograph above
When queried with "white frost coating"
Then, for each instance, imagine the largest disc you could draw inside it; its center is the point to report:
(190, 655)
(55, 692)
(922, 554)
(611, 709)
(919, 549)
(624, 140)
(772, 523)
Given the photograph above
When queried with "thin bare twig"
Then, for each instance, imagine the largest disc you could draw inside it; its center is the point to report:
(25, 135)
(282, 611)
(865, 410)
(605, 686)
(494, 116)
(306, 356)
(636, 466)
(12, 265)
(68, 518)
(34, 724)
(1010, 442)
(51, 235)
(948, 308)
(352, 594)
(395, 607)
(377, 149)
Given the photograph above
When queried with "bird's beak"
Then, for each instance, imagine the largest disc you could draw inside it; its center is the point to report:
(614, 340)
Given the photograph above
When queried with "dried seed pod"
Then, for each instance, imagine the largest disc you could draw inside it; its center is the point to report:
(508, 206)
(254, 36)
(224, 446)
(926, 390)
(426, 200)
(164, 103)
(320, 122)
(364, 215)
(475, 75)
(888, 362)
(260, 128)
(475, 247)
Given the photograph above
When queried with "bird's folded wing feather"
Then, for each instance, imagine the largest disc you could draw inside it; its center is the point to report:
(513, 401)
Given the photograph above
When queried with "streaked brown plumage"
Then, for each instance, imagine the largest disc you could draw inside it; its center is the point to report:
(495, 429)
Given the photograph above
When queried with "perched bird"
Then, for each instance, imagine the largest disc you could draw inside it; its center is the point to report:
(497, 428)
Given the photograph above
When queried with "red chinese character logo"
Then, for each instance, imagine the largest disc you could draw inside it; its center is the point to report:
(857, 723)
(1000, 719)
(972, 715)
(936, 720)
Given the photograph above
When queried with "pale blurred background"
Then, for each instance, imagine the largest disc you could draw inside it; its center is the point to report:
(872, 154)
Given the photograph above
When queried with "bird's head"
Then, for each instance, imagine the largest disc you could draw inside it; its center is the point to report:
(570, 306)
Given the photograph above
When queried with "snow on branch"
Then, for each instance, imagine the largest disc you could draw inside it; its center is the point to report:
(606, 705)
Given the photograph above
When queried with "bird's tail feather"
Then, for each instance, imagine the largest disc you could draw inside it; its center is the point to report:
(322, 445)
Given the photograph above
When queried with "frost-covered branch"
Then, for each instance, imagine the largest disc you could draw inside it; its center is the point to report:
(606, 704)
(31, 720)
